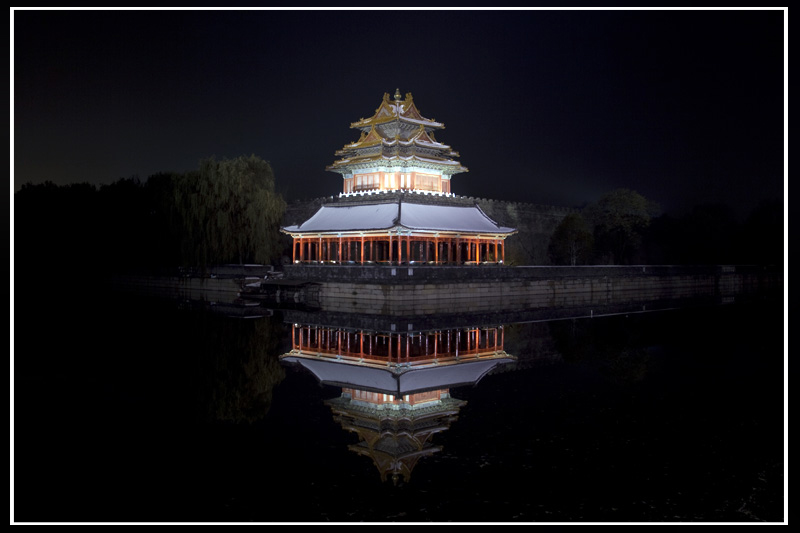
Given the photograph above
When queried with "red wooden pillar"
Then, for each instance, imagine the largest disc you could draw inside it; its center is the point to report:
(390, 248)
(362, 249)
(399, 348)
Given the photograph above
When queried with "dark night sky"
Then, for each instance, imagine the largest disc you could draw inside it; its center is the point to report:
(550, 107)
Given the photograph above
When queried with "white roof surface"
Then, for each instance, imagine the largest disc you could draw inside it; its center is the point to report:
(423, 217)
(448, 218)
(398, 383)
(350, 218)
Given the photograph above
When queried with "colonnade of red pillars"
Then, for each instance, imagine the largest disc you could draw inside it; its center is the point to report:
(400, 249)
(398, 347)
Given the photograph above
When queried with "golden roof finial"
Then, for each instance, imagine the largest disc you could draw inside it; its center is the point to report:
(397, 94)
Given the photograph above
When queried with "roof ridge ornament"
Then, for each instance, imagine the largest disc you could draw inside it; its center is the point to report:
(397, 94)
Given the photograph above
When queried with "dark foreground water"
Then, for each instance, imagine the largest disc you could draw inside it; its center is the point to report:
(137, 410)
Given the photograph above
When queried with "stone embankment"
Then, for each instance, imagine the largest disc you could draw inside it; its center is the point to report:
(415, 290)
(436, 289)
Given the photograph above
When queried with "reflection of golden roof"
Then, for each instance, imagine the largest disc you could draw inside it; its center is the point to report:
(395, 438)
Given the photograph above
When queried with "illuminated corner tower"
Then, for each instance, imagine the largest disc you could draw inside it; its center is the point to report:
(397, 150)
(397, 206)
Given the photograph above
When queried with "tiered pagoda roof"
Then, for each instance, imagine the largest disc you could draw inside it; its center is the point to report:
(397, 135)
(395, 439)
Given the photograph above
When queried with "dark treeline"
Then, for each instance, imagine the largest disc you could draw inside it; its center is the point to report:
(623, 227)
(227, 211)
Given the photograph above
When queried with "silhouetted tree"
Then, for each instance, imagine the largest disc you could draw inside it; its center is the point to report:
(664, 240)
(55, 230)
(763, 234)
(572, 241)
(711, 235)
(619, 218)
(121, 231)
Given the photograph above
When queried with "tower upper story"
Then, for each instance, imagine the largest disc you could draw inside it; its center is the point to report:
(397, 150)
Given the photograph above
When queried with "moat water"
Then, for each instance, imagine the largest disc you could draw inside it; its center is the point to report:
(136, 409)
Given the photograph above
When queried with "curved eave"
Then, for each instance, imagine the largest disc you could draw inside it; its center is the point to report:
(398, 231)
(406, 161)
(370, 122)
(365, 232)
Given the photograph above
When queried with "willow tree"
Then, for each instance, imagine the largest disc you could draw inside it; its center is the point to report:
(230, 212)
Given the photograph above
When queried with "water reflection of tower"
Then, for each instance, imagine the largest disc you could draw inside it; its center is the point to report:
(395, 432)
(396, 386)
